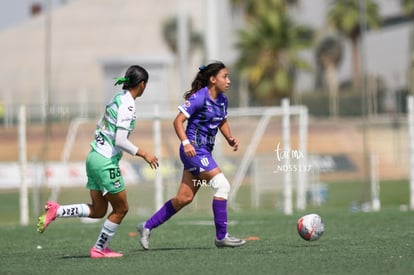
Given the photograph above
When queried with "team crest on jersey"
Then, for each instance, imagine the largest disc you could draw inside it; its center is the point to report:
(117, 184)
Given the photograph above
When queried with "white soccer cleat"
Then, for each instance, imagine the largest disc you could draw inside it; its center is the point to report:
(229, 241)
(145, 234)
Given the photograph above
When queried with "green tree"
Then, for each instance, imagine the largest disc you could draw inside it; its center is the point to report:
(269, 47)
(328, 56)
(408, 7)
(170, 34)
(344, 16)
(253, 7)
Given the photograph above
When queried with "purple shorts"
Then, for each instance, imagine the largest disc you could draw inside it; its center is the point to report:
(202, 162)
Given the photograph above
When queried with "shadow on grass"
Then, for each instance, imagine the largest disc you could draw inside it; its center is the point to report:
(66, 257)
(134, 252)
(177, 248)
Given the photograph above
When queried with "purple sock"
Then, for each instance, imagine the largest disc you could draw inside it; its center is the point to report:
(161, 216)
(220, 218)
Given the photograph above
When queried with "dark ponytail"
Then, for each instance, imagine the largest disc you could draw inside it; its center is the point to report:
(133, 76)
(203, 77)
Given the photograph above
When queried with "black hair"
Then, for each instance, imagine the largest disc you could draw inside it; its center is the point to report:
(135, 75)
(203, 77)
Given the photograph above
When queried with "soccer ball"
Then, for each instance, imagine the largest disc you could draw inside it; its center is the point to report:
(310, 227)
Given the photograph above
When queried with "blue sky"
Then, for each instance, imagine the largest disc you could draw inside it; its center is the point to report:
(13, 12)
(17, 11)
(391, 66)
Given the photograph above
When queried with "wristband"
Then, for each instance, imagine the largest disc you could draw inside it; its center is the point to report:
(185, 142)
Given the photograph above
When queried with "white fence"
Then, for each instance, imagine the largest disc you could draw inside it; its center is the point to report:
(61, 174)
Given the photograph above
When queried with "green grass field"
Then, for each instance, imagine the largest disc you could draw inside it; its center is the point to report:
(353, 243)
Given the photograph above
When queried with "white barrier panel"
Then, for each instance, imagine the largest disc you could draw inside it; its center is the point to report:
(65, 175)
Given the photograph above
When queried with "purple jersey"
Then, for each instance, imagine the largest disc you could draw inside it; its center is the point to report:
(204, 117)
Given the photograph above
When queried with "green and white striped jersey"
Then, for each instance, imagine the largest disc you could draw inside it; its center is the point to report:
(119, 113)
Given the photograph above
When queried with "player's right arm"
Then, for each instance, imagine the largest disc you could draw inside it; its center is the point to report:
(180, 131)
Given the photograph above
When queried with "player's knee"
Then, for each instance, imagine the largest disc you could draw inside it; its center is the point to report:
(124, 210)
(121, 211)
(184, 199)
(221, 186)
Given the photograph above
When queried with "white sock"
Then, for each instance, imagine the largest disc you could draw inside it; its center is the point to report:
(73, 210)
(107, 232)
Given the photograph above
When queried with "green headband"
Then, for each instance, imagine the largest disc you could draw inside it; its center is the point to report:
(121, 80)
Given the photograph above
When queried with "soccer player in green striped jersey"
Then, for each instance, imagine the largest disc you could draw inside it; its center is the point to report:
(105, 180)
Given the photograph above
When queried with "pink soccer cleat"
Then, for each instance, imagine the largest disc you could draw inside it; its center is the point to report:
(105, 253)
(49, 216)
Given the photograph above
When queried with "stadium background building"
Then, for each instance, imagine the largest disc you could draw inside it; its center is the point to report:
(66, 55)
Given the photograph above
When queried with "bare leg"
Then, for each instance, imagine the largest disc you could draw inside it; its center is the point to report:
(186, 192)
(119, 210)
(99, 204)
(119, 205)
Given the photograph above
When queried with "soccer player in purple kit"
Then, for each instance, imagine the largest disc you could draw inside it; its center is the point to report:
(205, 110)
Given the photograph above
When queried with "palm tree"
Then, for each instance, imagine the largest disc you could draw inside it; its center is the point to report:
(344, 16)
(170, 34)
(268, 50)
(328, 57)
(408, 6)
(252, 8)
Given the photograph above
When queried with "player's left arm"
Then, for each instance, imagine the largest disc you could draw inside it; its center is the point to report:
(225, 131)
